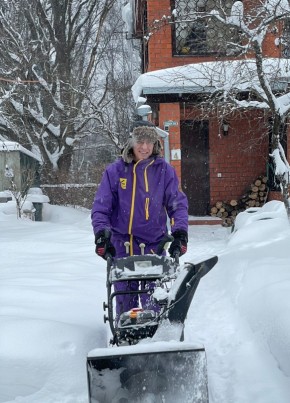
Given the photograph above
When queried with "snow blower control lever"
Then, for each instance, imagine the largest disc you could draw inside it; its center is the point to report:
(107, 237)
(163, 244)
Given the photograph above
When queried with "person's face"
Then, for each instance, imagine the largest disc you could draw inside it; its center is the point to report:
(142, 150)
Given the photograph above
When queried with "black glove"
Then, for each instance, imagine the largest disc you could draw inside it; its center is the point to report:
(104, 246)
(179, 244)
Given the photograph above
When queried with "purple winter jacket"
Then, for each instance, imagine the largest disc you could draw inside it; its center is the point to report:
(132, 201)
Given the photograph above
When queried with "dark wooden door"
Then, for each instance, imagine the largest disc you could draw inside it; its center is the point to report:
(195, 165)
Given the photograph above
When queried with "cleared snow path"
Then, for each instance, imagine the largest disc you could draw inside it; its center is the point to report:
(52, 287)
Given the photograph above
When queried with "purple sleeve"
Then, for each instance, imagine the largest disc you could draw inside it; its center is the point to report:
(103, 204)
(175, 202)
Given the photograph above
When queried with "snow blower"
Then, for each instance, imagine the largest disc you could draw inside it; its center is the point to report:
(148, 361)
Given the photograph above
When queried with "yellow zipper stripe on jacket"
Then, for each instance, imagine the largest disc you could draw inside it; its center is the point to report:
(147, 190)
(131, 245)
(147, 208)
(133, 201)
(133, 198)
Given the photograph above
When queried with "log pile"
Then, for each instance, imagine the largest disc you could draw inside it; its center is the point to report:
(256, 196)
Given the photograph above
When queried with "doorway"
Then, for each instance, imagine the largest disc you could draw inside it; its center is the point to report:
(195, 165)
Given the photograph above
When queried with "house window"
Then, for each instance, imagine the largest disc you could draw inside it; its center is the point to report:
(196, 32)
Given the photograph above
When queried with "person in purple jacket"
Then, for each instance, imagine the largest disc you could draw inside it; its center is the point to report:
(129, 213)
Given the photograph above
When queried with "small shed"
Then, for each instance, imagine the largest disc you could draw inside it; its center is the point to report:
(18, 164)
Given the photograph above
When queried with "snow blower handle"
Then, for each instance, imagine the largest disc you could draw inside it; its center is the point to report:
(109, 259)
(175, 256)
(163, 244)
(108, 255)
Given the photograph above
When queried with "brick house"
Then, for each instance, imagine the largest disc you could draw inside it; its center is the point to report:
(216, 157)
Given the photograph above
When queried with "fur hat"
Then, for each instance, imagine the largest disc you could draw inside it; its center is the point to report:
(140, 134)
(144, 133)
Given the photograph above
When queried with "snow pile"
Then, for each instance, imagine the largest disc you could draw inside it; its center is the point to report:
(251, 226)
(52, 286)
(35, 195)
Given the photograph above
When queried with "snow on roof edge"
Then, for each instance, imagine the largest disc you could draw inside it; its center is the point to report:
(6, 146)
(206, 76)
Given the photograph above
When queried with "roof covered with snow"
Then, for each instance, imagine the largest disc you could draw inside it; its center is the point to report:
(7, 146)
(210, 76)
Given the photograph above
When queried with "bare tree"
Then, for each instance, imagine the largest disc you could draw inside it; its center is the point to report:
(265, 76)
(19, 189)
(243, 76)
(53, 89)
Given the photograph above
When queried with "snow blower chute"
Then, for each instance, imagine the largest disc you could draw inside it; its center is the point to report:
(151, 362)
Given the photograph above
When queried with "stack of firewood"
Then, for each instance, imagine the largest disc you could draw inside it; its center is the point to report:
(256, 196)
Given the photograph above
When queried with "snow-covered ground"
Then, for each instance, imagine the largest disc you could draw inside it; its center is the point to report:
(52, 286)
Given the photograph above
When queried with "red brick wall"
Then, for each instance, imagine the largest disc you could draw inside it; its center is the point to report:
(160, 43)
(239, 157)
(172, 112)
(242, 155)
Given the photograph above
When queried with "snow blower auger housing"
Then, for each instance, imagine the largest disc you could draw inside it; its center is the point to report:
(138, 323)
(151, 362)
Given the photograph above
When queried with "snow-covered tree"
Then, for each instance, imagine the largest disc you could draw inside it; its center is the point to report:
(19, 189)
(249, 75)
(54, 89)
(121, 62)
